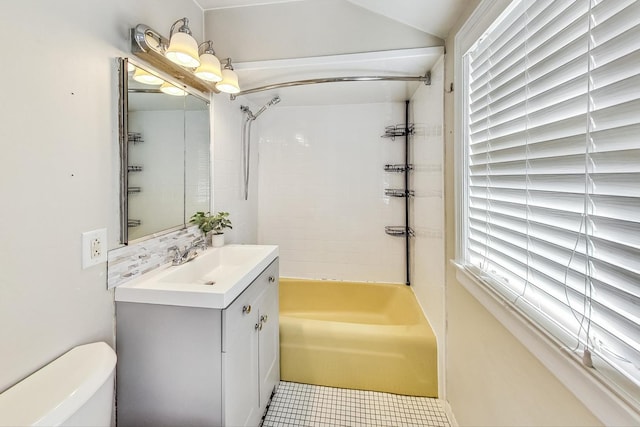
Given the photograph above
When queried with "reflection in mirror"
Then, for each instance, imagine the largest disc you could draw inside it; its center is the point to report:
(167, 156)
(197, 151)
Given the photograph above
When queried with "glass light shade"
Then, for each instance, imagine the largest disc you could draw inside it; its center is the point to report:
(142, 76)
(183, 50)
(209, 68)
(229, 83)
(170, 89)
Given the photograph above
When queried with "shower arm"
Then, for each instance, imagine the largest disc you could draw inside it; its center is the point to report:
(426, 79)
(250, 116)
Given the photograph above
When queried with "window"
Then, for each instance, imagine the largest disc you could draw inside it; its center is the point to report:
(552, 206)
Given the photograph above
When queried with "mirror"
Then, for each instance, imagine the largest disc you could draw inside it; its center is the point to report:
(165, 154)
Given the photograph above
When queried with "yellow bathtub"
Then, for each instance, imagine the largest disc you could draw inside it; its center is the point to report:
(366, 336)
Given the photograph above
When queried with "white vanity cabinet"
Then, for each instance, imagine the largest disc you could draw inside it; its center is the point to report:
(193, 366)
(251, 364)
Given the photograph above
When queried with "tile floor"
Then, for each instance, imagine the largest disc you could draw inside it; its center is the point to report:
(304, 405)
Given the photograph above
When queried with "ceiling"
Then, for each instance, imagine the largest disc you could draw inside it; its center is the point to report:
(431, 16)
(276, 41)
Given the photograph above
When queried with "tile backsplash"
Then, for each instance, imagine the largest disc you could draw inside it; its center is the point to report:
(128, 262)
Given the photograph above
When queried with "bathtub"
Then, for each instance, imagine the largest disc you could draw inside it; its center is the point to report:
(365, 336)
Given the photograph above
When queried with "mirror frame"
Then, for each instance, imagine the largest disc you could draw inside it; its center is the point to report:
(123, 142)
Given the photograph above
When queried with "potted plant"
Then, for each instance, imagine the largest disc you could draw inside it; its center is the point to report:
(212, 226)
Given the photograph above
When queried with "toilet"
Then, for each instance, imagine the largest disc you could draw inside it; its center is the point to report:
(76, 389)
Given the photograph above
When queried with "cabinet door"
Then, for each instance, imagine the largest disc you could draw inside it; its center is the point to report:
(269, 341)
(240, 368)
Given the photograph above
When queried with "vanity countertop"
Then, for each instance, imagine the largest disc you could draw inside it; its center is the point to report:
(212, 280)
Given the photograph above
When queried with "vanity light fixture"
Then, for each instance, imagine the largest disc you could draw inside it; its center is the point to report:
(209, 68)
(173, 57)
(170, 89)
(229, 83)
(183, 48)
(142, 76)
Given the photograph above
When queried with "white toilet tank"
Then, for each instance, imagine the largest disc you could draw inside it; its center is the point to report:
(76, 389)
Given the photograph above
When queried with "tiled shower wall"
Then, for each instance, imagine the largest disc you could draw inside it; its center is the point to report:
(427, 213)
(321, 196)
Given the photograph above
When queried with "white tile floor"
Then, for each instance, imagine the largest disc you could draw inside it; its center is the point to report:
(304, 405)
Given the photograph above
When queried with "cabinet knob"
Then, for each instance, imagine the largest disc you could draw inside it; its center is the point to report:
(264, 318)
(258, 326)
(246, 309)
(272, 279)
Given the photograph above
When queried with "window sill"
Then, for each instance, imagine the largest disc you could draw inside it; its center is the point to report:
(586, 384)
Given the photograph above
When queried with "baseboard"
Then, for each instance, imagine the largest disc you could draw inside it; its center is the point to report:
(449, 413)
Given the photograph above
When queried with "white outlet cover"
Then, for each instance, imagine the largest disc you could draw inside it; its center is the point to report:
(100, 239)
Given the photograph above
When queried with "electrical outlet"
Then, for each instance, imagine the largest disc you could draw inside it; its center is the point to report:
(94, 247)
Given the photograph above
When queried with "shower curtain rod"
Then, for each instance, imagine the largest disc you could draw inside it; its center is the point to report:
(426, 79)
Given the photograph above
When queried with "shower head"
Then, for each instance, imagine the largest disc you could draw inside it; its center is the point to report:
(274, 101)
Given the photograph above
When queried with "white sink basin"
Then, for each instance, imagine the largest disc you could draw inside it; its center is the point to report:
(212, 280)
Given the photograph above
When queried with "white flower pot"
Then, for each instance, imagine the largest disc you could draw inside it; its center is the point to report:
(217, 240)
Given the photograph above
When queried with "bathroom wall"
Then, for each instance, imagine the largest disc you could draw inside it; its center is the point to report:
(491, 379)
(427, 212)
(58, 173)
(321, 182)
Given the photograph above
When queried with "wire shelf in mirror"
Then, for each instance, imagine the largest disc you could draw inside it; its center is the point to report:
(135, 137)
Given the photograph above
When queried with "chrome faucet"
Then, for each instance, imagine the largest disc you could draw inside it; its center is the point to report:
(189, 253)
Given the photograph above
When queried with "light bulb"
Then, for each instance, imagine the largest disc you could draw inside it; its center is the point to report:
(183, 50)
(142, 76)
(170, 89)
(209, 68)
(229, 83)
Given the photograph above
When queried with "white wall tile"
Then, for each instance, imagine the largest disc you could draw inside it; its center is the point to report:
(322, 191)
(228, 195)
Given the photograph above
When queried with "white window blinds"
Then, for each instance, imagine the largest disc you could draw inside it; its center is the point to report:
(553, 177)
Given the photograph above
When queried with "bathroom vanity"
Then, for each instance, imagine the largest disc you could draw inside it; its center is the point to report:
(198, 344)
